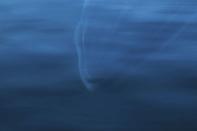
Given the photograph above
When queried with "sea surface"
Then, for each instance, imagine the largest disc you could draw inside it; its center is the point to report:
(98, 65)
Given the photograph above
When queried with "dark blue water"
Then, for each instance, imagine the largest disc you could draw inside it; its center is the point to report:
(98, 65)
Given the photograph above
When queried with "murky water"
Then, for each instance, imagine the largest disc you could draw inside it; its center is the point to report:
(98, 65)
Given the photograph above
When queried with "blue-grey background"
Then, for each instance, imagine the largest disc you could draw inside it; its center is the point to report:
(141, 56)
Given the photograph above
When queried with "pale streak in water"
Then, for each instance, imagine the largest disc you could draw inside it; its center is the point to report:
(169, 41)
(80, 33)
